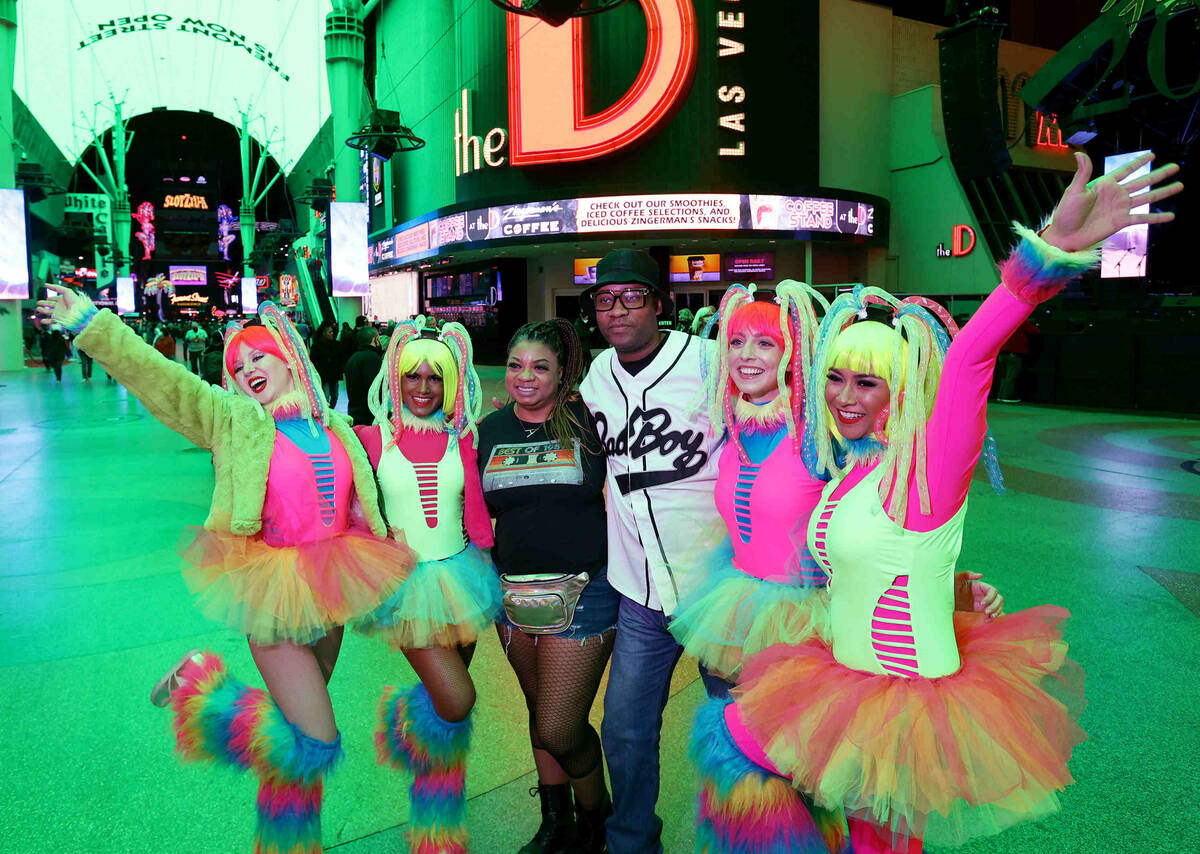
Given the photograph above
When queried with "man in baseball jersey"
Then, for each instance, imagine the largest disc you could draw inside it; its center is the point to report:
(646, 396)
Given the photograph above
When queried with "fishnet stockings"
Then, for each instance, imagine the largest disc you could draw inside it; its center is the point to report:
(443, 672)
(559, 677)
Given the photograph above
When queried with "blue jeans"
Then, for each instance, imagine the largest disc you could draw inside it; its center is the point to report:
(639, 684)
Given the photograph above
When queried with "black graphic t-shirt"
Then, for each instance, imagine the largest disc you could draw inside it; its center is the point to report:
(548, 500)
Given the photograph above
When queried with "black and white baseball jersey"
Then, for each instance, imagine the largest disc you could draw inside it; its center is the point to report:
(662, 467)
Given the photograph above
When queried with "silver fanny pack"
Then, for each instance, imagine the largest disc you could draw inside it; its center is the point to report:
(542, 604)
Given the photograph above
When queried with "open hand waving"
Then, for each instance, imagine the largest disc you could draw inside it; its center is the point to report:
(1091, 211)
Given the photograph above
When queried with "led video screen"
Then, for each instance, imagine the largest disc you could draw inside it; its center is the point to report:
(249, 290)
(585, 271)
(1124, 254)
(749, 266)
(14, 253)
(348, 248)
(695, 268)
(125, 295)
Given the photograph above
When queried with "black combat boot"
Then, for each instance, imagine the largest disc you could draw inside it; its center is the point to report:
(558, 821)
(589, 829)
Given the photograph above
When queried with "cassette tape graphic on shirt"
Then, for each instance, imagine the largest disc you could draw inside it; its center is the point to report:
(532, 464)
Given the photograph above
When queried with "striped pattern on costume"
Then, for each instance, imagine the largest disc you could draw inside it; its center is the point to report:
(892, 631)
(427, 487)
(747, 474)
(323, 470)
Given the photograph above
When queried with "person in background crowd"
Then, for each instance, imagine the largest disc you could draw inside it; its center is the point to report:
(193, 346)
(164, 342)
(211, 360)
(85, 365)
(683, 321)
(646, 396)
(361, 369)
(327, 358)
(1010, 361)
(543, 473)
(700, 321)
(54, 349)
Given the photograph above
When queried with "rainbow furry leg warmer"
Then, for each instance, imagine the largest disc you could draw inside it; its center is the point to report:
(219, 719)
(745, 809)
(411, 736)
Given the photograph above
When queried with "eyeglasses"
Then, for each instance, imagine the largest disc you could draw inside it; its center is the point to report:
(631, 298)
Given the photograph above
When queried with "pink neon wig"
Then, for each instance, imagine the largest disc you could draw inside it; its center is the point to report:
(255, 337)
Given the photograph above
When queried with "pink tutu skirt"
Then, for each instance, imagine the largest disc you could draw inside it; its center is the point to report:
(944, 759)
(297, 593)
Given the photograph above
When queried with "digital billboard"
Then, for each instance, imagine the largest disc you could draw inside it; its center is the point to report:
(289, 289)
(14, 253)
(348, 248)
(695, 268)
(585, 271)
(125, 295)
(190, 275)
(249, 292)
(749, 266)
(1124, 254)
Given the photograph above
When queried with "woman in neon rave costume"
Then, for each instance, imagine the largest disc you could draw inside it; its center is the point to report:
(426, 401)
(923, 723)
(753, 592)
(755, 582)
(293, 548)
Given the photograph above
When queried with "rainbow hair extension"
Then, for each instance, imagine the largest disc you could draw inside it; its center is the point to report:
(412, 736)
(744, 809)
(908, 355)
(450, 354)
(796, 330)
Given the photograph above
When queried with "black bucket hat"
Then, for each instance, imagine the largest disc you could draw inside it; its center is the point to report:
(629, 266)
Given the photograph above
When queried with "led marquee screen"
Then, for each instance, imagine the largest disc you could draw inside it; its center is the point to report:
(799, 216)
(14, 254)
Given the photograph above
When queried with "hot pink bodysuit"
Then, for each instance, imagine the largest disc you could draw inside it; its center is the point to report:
(308, 489)
(766, 507)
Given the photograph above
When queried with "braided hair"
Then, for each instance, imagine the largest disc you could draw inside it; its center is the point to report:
(559, 337)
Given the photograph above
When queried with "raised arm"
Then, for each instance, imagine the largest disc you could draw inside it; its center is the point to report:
(1038, 268)
(173, 394)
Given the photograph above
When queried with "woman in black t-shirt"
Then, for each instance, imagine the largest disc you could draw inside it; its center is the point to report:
(543, 474)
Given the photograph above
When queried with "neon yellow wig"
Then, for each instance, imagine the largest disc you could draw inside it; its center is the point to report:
(439, 357)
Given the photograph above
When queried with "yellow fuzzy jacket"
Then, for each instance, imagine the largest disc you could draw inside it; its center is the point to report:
(238, 431)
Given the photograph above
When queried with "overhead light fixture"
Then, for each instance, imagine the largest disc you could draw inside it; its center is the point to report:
(557, 12)
(383, 135)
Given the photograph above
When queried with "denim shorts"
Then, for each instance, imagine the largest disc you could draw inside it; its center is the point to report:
(595, 614)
